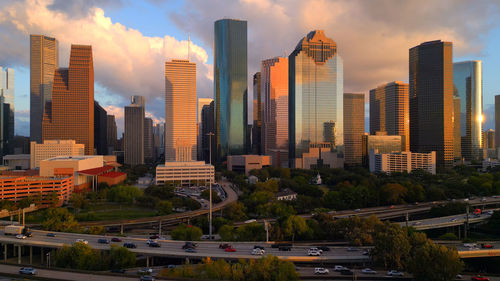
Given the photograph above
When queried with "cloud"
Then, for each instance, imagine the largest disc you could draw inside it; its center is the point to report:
(373, 37)
(119, 114)
(126, 62)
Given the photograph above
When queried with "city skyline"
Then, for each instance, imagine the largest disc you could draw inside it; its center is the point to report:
(113, 98)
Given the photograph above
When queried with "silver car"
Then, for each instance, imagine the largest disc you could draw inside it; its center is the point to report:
(27, 270)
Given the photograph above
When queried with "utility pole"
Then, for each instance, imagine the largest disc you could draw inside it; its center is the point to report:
(210, 187)
(407, 217)
(466, 220)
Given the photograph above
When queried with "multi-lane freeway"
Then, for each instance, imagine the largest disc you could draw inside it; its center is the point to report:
(447, 221)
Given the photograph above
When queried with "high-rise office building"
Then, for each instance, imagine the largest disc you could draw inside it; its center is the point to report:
(133, 137)
(70, 114)
(201, 103)
(497, 120)
(148, 140)
(208, 125)
(468, 86)
(275, 110)
(354, 128)
(431, 100)
(180, 111)
(100, 129)
(258, 111)
(315, 94)
(230, 86)
(159, 141)
(457, 141)
(389, 111)
(380, 142)
(7, 111)
(44, 60)
(111, 135)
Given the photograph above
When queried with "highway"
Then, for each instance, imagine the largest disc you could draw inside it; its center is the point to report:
(454, 220)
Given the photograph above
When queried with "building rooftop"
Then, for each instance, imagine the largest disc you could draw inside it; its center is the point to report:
(285, 192)
(17, 157)
(73, 158)
(96, 171)
(185, 164)
(113, 174)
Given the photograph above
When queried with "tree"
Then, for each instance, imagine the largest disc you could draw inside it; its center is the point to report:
(121, 257)
(392, 246)
(59, 219)
(227, 232)
(124, 194)
(393, 193)
(79, 256)
(186, 233)
(433, 262)
(205, 194)
(78, 201)
(164, 207)
(236, 211)
(294, 225)
(253, 231)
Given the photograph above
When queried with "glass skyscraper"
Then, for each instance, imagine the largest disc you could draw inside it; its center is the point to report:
(316, 95)
(230, 86)
(468, 86)
(7, 110)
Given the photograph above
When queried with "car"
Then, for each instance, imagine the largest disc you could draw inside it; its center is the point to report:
(338, 267)
(313, 253)
(470, 245)
(190, 250)
(171, 266)
(258, 247)
(483, 199)
(28, 234)
(466, 200)
(346, 272)
(189, 245)
(315, 249)
(250, 221)
(121, 270)
(458, 276)
(391, 207)
(207, 237)
(147, 278)
(394, 273)
(145, 270)
(21, 236)
(453, 220)
(51, 235)
(224, 246)
(149, 241)
(103, 241)
(154, 236)
(479, 278)
(486, 246)
(489, 213)
(27, 270)
(230, 249)
(129, 245)
(154, 245)
(285, 248)
(323, 248)
(368, 271)
(366, 253)
(496, 196)
(351, 249)
(258, 251)
(321, 270)
(357, 210)
(417, 223)
(116, 239)
(82, 241)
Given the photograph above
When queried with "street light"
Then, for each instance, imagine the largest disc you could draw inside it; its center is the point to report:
(210, 134)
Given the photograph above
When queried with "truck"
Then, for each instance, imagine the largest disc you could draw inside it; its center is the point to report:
(17, 229)
(477, 212)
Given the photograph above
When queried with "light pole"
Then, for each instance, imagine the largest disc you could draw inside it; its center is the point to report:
(210, 134)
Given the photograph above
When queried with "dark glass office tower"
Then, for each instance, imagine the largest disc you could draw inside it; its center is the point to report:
(431, 100)
(230, 86)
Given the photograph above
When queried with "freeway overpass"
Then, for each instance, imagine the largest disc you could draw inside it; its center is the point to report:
(448, 221)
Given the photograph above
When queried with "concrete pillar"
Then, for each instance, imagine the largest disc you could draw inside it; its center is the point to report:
(152, 261)
(19, 256)
(121, 229)
(159, 228)
(41, 255)
(147, 261)
(5, 252)
(31, 255)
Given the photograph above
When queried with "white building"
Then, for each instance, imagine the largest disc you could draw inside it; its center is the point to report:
(185, 173)
(286, 195)
(71, 165)
(54, 148)
(404, 161)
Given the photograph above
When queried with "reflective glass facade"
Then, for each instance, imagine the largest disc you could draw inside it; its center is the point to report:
(468, 86)
(230, 86)
(316, 93)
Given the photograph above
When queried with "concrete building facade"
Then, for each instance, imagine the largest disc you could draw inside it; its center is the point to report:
(354, 128)
(53, 148)
(404, 161)
(134, 131)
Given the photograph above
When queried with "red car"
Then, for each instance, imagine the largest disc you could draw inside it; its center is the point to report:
(479, 278)
(230, 249)
(486, 246)
(116, 240)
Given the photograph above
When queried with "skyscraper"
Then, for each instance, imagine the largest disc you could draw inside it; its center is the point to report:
(133, 137)
(230, 86)
(100, 129)
(70, 114)
(148, 140)
(180, 111)
(497, 121)
(315, 94)
(389, 111)
(468, 86)
(207, 118)
(257, 115)
(7, 113)
(201, 103)
(354, 128)
(44, 60)
(275, 112)
(111, 135)
(431, 100)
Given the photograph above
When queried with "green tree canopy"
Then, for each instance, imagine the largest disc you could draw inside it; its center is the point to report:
(186, 233)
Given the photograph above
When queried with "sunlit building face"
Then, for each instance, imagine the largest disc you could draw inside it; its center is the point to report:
(316, 93)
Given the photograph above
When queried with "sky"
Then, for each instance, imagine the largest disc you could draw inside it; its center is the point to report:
(131, 40)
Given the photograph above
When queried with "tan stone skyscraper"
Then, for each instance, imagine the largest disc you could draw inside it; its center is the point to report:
(354, 128)
(431, 100)
(43, 64)
(70, 115)
(180, 111)
(389, 111)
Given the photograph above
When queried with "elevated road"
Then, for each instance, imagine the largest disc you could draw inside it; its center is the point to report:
(448, 221)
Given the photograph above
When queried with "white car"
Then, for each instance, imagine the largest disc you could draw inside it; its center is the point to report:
(394, 273)
(368, 271)
(339, 268)
(470, 245)
(321, 270)
(313, 253)
(149, 241)
(258, 252)
(82, 241)
(21, 236)
(145, 270)
(316, 249)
